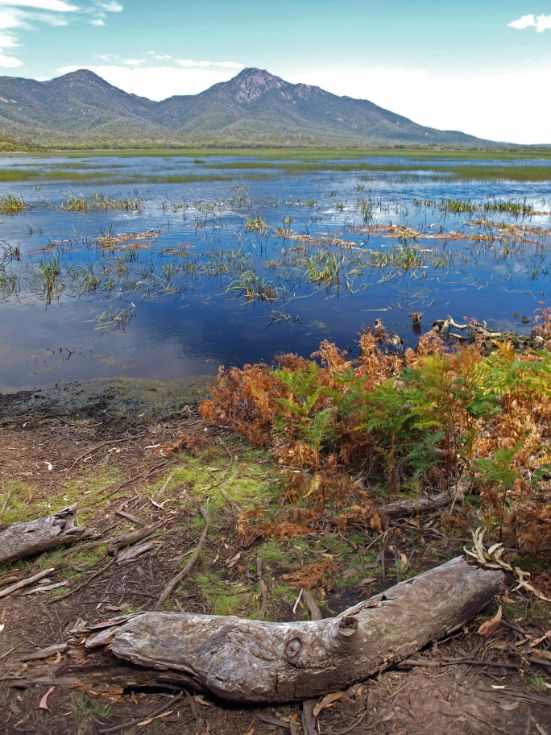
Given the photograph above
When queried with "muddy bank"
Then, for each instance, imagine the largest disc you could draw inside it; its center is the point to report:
(117, 401)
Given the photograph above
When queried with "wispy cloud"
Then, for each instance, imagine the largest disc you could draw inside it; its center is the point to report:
(111, 7)
(540, 22)
(100, 10)
(57, 6)
(24, 15)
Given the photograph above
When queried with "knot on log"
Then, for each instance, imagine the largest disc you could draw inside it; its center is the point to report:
(293, 649)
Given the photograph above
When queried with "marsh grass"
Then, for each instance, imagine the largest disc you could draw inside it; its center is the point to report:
(102, 203)
(11, 204)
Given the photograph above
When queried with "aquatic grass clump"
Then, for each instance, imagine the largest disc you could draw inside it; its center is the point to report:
(11, 204)
(257, 224)
(102, 203)
(9, 283)
(49, 277)
(253, 287)
(515, 208)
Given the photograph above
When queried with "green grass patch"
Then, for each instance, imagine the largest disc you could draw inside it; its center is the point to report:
(311, 154)
(223, 596)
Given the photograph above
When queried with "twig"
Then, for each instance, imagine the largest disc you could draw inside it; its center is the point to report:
(489, 724)
(44, 653)
(263, 588)
(25, 582)
(307, 718)
(129, 517)
(455, 662)
(131, 723)
(175, 581)
(6, 500)
(87, 581)
(100, 446)
(116, 543)
(297, 601)
(352, 727)
(141, 476)
(268, 719)
(315, 612)
(233, 457)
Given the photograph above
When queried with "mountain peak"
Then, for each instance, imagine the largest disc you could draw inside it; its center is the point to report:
(82, 76)
(255, 107)
(251, 84)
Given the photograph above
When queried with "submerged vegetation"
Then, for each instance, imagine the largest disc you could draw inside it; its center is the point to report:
(322, 255)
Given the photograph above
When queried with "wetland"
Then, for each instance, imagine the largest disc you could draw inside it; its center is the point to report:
(167, 264)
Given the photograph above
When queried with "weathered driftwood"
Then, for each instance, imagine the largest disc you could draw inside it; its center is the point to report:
(425, 503)
(254, 661)
(33, 537)
(400, 508)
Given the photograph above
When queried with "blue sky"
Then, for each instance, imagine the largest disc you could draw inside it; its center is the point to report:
(484, 67)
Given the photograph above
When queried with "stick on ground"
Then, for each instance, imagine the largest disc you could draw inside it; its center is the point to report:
(175, 581)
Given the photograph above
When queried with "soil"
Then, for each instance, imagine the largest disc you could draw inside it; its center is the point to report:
(104, 445)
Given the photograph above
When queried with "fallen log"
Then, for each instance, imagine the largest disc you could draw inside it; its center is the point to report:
(252, 661)
(21, 540)
(424, 504)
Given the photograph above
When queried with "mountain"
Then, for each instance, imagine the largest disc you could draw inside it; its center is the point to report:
(253, 108)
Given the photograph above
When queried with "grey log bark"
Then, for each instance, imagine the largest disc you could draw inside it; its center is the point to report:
(33, 537)
(423, 504)
(253, 661)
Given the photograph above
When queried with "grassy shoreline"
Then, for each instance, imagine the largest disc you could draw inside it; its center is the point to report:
(290, 153)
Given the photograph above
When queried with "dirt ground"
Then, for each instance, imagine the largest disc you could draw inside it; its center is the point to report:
(103, 448)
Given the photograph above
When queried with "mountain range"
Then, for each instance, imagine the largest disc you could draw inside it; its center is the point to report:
(254, 108)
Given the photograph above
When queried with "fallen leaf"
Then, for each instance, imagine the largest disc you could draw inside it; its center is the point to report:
(43, 704)
(368, 580)
(490, 626)
(234, 559)
(143, 723)
(314, 484)
(327, 701)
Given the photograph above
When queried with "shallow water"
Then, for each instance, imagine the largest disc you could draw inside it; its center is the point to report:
(208, 289)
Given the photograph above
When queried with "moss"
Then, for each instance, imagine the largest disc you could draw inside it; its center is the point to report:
(205, 477)
(538, 684)
(224, 597)
(272, 553)
(21, 503)
(17, 501)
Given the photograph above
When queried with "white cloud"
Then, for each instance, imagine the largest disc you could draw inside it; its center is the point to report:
(7, 41)
(160, 82)
(111, 7)
(540, 22)
(9, 62)
(510, 105)
(9, 19)
(30, 14)
(191, 63)
(98, 22)
(159, 56)
(53, 5)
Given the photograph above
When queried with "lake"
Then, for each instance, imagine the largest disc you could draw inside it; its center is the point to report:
(167, 266)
